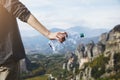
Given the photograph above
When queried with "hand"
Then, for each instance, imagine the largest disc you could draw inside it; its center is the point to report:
(60, 36)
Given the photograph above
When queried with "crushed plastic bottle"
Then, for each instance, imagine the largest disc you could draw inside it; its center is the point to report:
(71, 38)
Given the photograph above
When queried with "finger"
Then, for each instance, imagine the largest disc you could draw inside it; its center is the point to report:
(65, 34)
(61, 36)
(57, 38)
(61, 39)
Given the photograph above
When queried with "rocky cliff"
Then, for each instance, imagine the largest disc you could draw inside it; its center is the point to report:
(92, 61)
(100, 60)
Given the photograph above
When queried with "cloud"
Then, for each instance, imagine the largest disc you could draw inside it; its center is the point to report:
(69, 13)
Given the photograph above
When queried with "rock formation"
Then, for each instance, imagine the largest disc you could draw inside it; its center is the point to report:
(109, 47)
(100, 60)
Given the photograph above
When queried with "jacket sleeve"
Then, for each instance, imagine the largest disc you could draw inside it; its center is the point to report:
(17, 9)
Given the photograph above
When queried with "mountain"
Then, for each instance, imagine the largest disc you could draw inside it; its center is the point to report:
(96, 61)
(56, 29)
(39, 44)
(87, 31)
(90, 61)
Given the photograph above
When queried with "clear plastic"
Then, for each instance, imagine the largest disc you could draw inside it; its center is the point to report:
(71, 41)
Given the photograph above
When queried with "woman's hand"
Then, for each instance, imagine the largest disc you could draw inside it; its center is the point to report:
(60, 36)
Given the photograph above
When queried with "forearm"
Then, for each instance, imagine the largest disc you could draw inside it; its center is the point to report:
(32, 21)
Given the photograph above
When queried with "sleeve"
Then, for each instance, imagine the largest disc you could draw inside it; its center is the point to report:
(17, 9)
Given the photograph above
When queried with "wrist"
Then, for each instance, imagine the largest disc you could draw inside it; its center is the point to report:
(48, 34)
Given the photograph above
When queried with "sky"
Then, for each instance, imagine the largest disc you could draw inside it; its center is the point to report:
(70, 13)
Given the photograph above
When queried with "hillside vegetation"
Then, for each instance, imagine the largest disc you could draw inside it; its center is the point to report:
(92, 61)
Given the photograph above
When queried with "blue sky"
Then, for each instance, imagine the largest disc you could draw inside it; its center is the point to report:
(69, 13)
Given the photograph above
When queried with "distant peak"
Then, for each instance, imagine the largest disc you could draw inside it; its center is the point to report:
(116, 28)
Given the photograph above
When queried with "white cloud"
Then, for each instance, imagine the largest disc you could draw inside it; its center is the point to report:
(70, 13)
